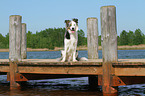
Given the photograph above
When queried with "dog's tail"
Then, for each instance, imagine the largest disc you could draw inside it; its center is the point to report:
(82, 59)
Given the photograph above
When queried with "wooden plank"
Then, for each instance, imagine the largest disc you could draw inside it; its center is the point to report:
(99, 61)
(122, 70)
(4, 60)
(55, 60)
(56, 63)
(24, 42)
(15, 35)
(92, 38)
(77, 70)
(109, 47)
(15, 32)
(13, 70)
(4, 68)
(130, 71)
(124, 67)
(109, 33)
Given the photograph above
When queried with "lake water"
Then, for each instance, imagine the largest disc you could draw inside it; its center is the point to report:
(69, 86)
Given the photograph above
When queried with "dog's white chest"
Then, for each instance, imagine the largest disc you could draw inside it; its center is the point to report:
(71, 43)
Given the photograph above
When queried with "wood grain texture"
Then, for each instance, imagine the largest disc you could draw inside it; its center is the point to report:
(24, 42)
(109, 47)
(109, 33)
(124, 67)
(15, 32)
(92, 38)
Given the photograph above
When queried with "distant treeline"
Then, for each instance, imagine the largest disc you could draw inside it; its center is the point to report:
(54, 37)
(48, 38)
(129, 38)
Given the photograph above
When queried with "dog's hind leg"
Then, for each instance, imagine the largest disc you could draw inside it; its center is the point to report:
(64, 52)
(74, 57)
(63, 56)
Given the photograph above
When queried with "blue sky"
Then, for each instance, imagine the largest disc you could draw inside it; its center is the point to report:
(42, 14)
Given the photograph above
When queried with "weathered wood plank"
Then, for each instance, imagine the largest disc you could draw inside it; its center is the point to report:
(4, 68)
(121, 62)
(109, 33)
(15, 32)
(109, 47)
(92, 38)
(15, 35)
(13, 70)
(124, 67)
(24, 42)
(131, 71)
(78, 70)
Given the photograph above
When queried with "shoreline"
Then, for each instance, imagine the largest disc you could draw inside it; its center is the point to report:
(125, 47)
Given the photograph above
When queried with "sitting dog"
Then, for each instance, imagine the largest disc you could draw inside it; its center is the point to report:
(70, 41)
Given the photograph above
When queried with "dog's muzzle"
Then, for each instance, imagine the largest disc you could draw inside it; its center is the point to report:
(73, 30)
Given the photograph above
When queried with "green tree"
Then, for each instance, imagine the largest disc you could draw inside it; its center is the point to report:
(138, 37)
(3, 41)
(81, 38)
(130, 38)
(123, 38)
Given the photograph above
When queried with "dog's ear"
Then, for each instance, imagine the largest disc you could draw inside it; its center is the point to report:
(75, 20)
(66, 21)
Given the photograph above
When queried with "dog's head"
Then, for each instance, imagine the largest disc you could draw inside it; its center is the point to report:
(72, 26)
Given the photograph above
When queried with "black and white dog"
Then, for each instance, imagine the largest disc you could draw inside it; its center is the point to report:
(70, 41)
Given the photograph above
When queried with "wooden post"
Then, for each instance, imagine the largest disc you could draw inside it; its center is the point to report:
(24, 42)
(92, 39)
(15, 31)
(109, 47)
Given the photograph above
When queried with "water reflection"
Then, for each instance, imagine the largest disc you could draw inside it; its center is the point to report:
(52, 87)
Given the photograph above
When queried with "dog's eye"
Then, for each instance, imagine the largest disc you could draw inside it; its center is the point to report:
(74, 24)
(70, 24)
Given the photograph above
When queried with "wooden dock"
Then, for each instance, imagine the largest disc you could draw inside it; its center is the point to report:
(124, 67)
(125, 71)
(108, 72)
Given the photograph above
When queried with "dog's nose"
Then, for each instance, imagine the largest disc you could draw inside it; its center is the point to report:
(73, 28)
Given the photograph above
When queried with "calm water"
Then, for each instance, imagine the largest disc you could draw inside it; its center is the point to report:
(69, 86)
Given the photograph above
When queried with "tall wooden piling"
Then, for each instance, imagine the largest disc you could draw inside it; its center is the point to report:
(15, 32)
(109, 47)
(92, 38)
(24, 42)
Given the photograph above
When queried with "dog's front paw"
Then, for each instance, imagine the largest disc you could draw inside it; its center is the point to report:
(62, 61)
(74, 60)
